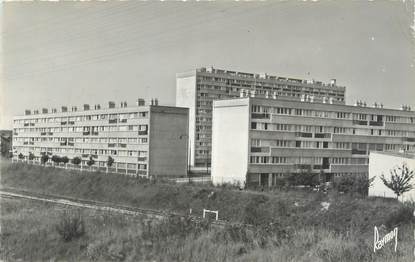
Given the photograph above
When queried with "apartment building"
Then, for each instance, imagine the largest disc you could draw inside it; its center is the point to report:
(198, 89)
(144, 140)
(257, 140)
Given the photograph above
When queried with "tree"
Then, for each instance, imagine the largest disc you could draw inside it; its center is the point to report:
(56, 159)
(76, 160)
(64, 160)
(90, 162)
(31, 156)
(21, 156)
(110, 161)
(400, 180)
(44, 158)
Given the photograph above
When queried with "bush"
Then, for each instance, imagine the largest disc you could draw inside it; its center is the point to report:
(56, 159)
(303, 179)
(91, 161)
(44, 158)
(65, 159)
(353, 184)
(404, 215)
(110, 161)
(70, 226)
(76, 160)
(31, 156)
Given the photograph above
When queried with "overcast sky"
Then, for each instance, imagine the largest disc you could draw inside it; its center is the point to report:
(71, 53)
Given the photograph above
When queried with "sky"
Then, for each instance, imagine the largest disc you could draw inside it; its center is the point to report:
(73, 53)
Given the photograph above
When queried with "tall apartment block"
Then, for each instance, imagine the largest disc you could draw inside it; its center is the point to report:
(257, 140)
(144, 140)
(198, 89)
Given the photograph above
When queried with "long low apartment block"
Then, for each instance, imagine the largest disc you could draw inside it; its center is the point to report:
(144, 140)
(255, 141)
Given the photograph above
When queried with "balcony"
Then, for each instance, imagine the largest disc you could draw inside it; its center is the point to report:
(260, 116)
(64, 123)
(50, 133)
(94, 133)
(71, 144)
(358, 152)
(123, 120)
(142, 159)
(42, 134)
(112, 121)
(122, 145)
(111, 145)
(360, 122)
(409, 139)
(322, 135)
(303, 134)
(63, 143)
(259, 149)
(375, 123)
(71, 122)
(86, 133)
(142, 133)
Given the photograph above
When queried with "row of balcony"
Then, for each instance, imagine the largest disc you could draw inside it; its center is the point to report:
(365, 123)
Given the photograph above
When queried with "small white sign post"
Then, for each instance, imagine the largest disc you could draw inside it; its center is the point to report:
(210, 211)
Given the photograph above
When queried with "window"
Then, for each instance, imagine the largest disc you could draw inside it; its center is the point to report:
(255, 142)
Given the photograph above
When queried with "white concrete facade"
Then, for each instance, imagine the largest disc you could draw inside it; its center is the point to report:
(230, 163)
(197, 89)
(261, 140)
(145, 140)
(382, 163)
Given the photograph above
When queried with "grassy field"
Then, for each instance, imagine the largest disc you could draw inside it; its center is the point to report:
(288, 225)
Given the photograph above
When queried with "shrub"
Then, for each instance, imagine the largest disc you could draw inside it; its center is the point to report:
(70, 226)
(31, 156)
(76, 160)
(110, 161)
(65, 159)
(56, 159)
(44, 158)
(304, 179)
(354, 184)
(91, 161)
(403, 215)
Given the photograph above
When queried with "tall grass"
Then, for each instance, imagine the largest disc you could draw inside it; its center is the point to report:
(28, 234)
(285, 225)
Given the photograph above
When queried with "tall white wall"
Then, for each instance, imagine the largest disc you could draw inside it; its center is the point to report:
(382, 163)
(186, 97)
(230, 141)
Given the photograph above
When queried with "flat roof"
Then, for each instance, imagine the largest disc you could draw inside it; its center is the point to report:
(320, 105)
(410, 155)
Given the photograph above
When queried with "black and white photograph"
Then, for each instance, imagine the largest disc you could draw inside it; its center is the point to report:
(207, 131)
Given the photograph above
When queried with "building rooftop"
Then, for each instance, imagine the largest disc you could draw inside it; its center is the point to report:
(352, 108)
(332, 82)
(409, 155)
